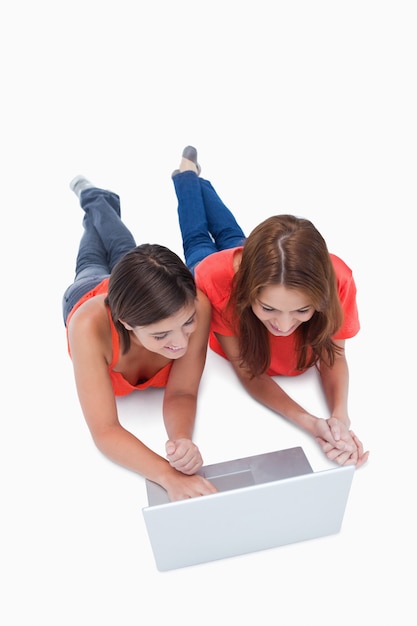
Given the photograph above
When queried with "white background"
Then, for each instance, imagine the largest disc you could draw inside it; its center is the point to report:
(305, 107)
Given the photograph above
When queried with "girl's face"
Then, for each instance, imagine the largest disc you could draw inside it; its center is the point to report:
(168, 337)
(282, 310)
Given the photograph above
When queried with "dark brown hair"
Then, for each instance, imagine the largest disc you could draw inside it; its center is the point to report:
(147, 285)
(286, 250)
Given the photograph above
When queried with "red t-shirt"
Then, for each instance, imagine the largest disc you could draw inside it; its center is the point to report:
(121, 386)
(214, 277)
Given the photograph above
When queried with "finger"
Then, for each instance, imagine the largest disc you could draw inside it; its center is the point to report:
(325, 445)
(188, 466)
(335, 430)
(182, 453)
(342, 458)
(346, 459)
(170, 447)
(337, 448)
(357, 442)
(363, 459)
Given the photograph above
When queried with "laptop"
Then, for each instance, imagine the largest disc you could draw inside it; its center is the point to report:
(263, 501)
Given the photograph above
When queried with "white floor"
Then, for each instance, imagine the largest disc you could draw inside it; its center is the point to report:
(295, 107)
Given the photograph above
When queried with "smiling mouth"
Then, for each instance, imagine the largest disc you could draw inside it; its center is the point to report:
(278, 330)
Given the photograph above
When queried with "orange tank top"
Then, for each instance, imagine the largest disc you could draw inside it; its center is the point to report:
(121, 386)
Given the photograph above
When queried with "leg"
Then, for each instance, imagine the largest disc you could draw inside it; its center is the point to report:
(197, 242)
(102, 220)
(92, 255)
(77, 290)
(222, 225)
(104, 241)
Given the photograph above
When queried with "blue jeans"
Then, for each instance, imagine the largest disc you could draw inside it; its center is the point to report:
(206, 224)
(105, 240)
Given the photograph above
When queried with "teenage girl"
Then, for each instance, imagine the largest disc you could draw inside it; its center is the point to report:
(280, 305)
(134, 320)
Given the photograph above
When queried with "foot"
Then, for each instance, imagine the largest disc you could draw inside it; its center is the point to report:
(189, 162)
(79, 183)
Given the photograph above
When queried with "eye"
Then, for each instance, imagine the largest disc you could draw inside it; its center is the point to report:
(190, 321)
(160, 337)
(266, 308)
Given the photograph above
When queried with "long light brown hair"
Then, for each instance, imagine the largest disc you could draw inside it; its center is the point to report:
(290, 251)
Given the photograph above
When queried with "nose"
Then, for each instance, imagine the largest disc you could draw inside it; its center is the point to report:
(180, 339)
(284, 322)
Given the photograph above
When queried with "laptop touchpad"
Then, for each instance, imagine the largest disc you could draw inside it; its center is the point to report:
(232, 481)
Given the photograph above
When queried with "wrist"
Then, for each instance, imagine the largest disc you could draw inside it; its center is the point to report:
(307, 421)
(341, 417)
(163, 475)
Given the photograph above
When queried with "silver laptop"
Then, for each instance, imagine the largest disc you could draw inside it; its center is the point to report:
(263, 501)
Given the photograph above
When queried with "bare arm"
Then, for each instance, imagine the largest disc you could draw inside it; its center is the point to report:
(264, 389)
(335, 382)
(90, 362)
(180, 400)
(336, 442)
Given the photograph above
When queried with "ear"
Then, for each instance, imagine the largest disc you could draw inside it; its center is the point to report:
(126, 325)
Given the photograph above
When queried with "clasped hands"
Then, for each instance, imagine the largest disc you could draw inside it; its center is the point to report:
(340, 444)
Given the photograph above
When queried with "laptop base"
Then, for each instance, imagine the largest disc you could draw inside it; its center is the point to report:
(242, 519)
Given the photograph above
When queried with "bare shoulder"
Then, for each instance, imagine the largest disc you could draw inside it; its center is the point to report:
(203, 303)
(203, 309)
(90, 325)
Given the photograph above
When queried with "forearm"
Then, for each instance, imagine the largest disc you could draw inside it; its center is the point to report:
(329, 433)
(265, 390)
(179, 412)
(335, 383)
(123, 448)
